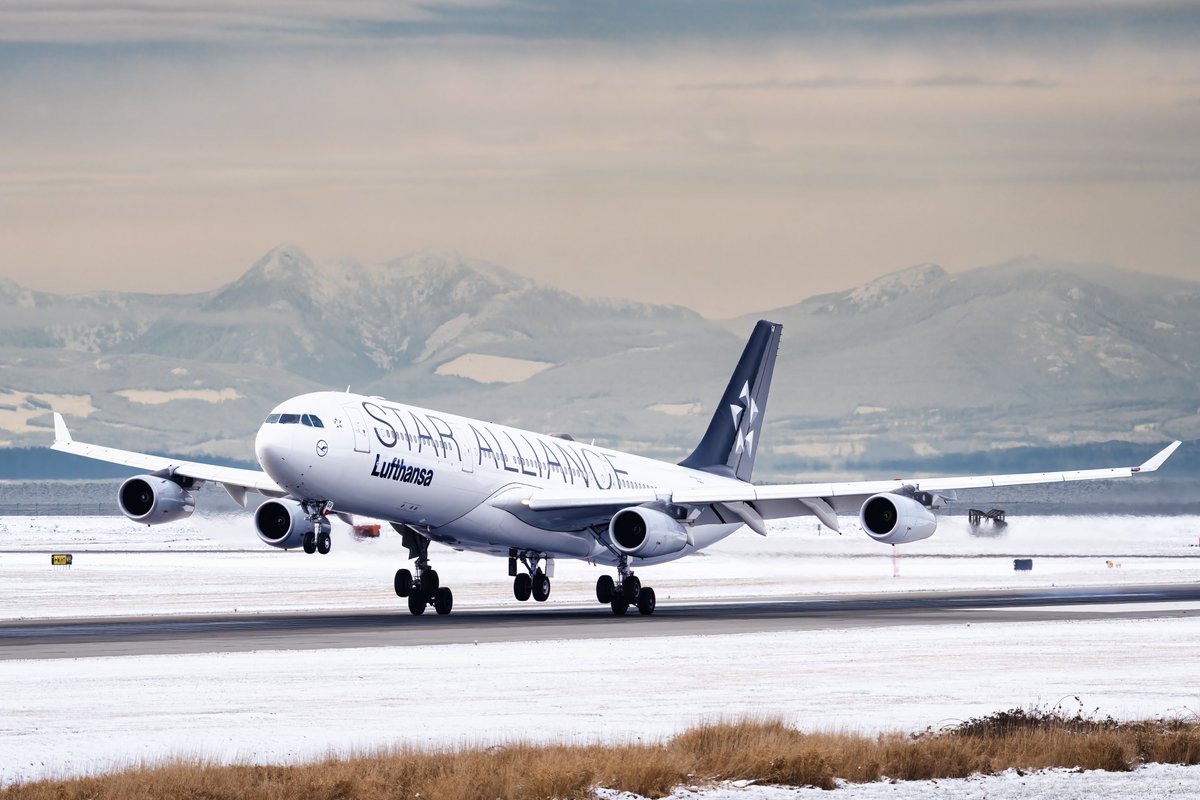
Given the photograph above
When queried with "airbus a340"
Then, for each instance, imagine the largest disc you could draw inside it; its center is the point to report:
(530, 497)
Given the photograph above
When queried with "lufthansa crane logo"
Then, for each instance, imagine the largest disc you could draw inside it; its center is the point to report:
(322, 448)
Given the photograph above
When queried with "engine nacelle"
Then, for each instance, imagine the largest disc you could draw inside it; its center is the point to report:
(152, 500)
(284, 524)
(896, 519)
(646, 532)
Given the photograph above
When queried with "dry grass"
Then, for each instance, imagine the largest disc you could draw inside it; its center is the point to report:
(764, 750)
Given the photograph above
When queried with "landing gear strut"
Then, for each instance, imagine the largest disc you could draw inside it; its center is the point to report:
(536, 582)
(624, 592)
(424, 589)
(318, 540)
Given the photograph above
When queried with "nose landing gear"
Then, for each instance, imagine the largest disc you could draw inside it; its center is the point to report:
(318, 540)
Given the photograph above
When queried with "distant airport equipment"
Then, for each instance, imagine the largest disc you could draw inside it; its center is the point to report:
(366, 531)
(529, 497)
(995, 515)
(61, 560)
(1022, 564)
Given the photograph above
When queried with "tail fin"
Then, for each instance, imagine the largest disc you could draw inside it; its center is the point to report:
(729, 445)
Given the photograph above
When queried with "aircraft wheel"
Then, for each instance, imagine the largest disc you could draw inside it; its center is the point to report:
(646, 602)
(403, 583)
(541, 587)
(429, 583)
(417, 602)
(310, 543)
(604, 589)
(631, 587)
(443, 601)
(522, 587)
(324, 543)
(619, 605)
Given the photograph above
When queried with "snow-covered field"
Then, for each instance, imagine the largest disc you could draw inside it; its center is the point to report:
(69, 716)
(217, 564)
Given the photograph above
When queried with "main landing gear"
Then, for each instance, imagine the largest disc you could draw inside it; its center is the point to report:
(625, 592)
(536, 582)
(424, 589)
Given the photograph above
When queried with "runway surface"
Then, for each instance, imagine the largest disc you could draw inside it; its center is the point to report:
(77, 638)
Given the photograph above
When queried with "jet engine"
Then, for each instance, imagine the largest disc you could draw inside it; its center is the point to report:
(284, 524)
(646, 532)
(152, 500)
(896, 519)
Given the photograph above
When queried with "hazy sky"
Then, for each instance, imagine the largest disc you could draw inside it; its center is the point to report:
(731, 156)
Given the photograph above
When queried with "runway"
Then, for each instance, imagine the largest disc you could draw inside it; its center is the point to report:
(529, 623)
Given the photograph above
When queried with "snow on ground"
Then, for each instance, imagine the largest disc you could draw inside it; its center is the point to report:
(217, 564)
(1151, 780)
(72, 716)
(67, 716)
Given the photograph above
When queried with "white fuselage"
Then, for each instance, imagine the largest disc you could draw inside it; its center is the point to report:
(448, 476)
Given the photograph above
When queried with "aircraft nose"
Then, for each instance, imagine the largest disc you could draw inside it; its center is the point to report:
(272, 446)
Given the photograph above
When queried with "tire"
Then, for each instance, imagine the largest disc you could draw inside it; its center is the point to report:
(619, 606)
(310, 543)
(417, 603)
(444, 601)
(522, 587)
(604, 589)
(430, 583)
(631, 587)
(324, 543)
(403, 583)
(646, 602)
(541, 587)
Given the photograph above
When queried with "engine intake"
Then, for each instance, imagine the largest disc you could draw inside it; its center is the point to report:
(896, 519)
(152, 500)
(646, 532)
(284, 524)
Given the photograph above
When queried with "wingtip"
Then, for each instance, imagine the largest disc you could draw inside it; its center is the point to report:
(1159, 458)
(61, 434)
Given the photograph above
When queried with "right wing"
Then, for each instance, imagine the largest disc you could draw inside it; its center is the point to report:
(236, 481)
(754, 504)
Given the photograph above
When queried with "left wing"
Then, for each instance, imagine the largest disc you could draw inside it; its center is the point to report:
(754, 504)
(235, 481)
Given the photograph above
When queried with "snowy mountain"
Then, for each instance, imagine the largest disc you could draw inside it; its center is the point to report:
(1028, 351)
(917, 363)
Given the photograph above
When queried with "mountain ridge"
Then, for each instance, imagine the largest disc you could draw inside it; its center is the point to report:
(914, 363)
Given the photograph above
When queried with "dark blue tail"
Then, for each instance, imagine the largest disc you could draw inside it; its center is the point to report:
(729, 445)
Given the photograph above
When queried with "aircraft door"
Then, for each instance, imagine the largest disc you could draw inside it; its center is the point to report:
(362, 439)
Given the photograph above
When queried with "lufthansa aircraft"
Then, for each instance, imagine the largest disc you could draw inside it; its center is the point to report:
(530, 497)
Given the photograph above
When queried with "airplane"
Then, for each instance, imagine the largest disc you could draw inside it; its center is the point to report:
(530, 497)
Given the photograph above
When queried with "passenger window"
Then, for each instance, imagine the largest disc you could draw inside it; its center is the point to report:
(289, 419)
(316, 421)
(272, 419)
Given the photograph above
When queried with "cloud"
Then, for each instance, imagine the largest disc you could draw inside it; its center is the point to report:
(669, 164)
(849, 82)
(224, 22)
(951, 9)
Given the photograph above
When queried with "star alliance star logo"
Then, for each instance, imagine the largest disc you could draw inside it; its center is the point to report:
(745, 436)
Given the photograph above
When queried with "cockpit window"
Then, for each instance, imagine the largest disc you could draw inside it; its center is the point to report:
(316, 421)
(289, 419)
(272, 419)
